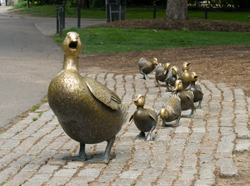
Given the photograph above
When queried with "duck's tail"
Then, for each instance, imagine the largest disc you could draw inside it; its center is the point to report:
(124, 111)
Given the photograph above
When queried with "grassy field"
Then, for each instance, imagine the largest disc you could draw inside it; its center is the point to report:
(102, 40)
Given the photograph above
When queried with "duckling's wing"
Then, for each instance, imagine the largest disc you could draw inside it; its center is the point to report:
(103, 94)
(189, 95)
(152, 114)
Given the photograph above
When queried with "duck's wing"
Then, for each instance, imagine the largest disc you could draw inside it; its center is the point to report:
(103, 94)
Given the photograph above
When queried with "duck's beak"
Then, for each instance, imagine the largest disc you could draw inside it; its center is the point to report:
(73, 44)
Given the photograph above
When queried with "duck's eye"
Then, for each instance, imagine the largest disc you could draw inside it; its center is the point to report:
(73, 44)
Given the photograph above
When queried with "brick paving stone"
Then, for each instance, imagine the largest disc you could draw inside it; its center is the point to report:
(230, 171)
(242, 145)
(205, 182)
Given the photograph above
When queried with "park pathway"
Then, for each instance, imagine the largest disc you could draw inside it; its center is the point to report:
(31, 151)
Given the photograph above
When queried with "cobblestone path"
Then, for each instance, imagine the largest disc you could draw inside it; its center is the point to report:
(31, 151)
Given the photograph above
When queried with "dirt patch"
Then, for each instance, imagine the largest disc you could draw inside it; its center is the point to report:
(228, 64)
(219, 64)
(190, 24)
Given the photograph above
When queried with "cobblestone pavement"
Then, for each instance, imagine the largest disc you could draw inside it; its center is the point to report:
(31, 151)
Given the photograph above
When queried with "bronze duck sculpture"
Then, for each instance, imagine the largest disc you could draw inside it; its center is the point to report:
(146, 66)
(161, 73)
(171, 110)
(145, 119)
(87, 110)
(174, 73)
(186, 96)
(196, 89)
(186, 76)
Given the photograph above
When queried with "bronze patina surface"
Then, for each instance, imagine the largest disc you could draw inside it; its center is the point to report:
(87, 110)
(186, 97)
(173, 74)
(186, 76)
(145, 119)
(171, 110)
(196, 89)
(161, 73)
(146, 66)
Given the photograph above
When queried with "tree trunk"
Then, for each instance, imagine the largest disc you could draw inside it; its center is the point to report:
(177, 9)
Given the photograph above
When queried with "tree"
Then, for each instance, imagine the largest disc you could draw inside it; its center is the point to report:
(177, 9)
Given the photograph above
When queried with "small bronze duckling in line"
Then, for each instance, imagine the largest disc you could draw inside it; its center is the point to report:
(196, 89)
(87, 110)
(171, 110)
(146, 66)
(161, 73)
(174, 73)
(145, 119)
(186, 76)
(187, 98)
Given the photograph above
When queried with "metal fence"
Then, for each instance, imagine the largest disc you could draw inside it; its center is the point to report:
(60, 16)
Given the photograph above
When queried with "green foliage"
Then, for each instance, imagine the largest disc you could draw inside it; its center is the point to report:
(71, 3)
(35, 107)
(20, 116)
(96, 3)
(20, 4)
(34, 119)
(112, 40)
(41, 113)
(242, 3)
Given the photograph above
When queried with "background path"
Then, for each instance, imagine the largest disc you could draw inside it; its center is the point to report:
(29, 59)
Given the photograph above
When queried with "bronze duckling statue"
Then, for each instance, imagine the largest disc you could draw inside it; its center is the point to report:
(186, 96)
(171, 110)
(146, 66)
(196, 89)
(186, 76)
(174, 73)
(145, 119)
(87, 110)
(161, 73)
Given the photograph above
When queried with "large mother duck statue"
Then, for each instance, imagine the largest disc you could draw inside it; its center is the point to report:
(87, 110)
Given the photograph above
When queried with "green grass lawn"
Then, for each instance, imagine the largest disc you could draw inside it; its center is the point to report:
(111, 40)
(99, 40)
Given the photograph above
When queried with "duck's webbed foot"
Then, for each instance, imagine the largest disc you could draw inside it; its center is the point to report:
(106, 157)
(141, 135)
(149, 135)
(81, 155)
